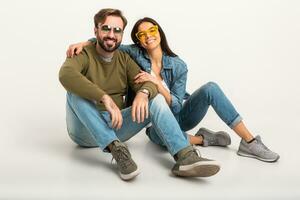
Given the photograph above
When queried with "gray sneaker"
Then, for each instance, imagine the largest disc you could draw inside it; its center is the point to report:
(190, 164)
(258, 150)
(211, 138)
(127, 167)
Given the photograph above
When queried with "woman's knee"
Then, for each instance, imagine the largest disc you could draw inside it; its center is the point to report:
(210, 88)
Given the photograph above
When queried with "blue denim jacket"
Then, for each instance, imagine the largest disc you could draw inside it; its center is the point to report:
(174, 72)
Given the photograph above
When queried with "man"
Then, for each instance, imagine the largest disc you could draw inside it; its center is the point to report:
(97, 81)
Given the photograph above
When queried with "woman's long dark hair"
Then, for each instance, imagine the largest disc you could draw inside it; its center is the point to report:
(164, 44)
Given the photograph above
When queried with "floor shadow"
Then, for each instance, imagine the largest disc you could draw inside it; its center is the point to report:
(202, 180)
(65, 148)
(90, 156)
(160, 155)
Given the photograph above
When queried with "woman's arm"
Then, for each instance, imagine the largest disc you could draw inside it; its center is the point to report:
(144, 77)
(163, 91)
(174, 96)
(178, 90)
(75, 49)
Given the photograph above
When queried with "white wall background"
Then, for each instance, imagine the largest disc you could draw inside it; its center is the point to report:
(251, 48)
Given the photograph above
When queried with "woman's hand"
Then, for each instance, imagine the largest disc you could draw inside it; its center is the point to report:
(144, 76)
(75, 49)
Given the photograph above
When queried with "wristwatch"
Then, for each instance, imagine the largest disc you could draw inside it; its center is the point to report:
(145, 91)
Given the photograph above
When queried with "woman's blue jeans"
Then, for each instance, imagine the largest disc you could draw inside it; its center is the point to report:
(89, 127)
(196, 106)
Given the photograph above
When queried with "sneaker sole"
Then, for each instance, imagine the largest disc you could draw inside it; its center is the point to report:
(222, 135)
(257, 157)
(130, 176)
(199, 169)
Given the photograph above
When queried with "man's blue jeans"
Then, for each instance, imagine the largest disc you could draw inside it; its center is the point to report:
(196, 106)
(90, 128)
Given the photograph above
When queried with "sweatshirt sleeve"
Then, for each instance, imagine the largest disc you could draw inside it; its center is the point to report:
(132, 70)
(71, 76)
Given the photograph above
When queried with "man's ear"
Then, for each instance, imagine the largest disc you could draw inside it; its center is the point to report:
(95, 31)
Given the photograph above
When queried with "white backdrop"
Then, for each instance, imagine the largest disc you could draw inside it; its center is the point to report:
(250, 48)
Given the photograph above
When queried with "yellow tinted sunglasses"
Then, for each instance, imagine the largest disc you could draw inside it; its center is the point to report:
(141, 35)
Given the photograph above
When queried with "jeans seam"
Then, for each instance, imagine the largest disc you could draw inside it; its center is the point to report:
(162, 138)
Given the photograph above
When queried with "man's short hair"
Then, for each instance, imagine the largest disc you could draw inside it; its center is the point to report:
(100, 17)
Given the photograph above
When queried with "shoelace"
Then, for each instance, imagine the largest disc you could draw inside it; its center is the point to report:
(196, 150)
(213, 142)
(265, 147)
(261, 147)
(122, 157)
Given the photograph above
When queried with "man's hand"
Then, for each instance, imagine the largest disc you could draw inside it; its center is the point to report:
(140, 107)
(114, 111)
(75, 49)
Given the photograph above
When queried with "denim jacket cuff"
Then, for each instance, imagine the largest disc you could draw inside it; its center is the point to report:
(175, 105)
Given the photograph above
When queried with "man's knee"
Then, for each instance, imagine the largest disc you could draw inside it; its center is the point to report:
(74, 99)
(79, 103)
(158, 101)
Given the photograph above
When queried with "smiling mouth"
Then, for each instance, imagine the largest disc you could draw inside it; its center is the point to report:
(110, 40)
(150, 41)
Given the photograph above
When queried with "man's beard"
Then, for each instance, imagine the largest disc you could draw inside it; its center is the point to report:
(108, 48)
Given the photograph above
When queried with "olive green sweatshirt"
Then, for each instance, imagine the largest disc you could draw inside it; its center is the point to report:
(89, 76)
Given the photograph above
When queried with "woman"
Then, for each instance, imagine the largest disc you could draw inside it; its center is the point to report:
(168, 72)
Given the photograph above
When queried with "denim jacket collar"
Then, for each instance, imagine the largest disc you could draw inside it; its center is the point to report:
(166, 64)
